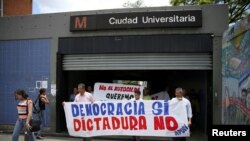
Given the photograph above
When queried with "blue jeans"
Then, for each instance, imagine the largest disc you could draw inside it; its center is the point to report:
(41, 115)
(20, 124)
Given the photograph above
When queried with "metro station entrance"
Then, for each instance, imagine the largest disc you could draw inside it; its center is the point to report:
(159, 60)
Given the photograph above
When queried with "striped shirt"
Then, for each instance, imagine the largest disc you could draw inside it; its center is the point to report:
(22, 109)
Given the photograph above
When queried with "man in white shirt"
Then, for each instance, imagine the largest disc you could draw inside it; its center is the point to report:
(83, 95)
(179, 97)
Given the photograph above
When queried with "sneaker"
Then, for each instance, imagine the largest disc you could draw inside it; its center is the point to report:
(39, 137)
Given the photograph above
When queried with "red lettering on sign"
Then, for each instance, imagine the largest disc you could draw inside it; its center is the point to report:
(133, 123)
(106, 123)
(80, 22)
(111, 123)
(89, 125)
(97, 121)
(77, 124)
(102, 87)
(83, 125)
(110, 88)
(115, 123)
(125, 123)
(142, 123)
(125, 89)
(136, 89)
(158, 123)
(169, 122)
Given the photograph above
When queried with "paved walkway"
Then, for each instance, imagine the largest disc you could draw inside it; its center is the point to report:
(196, 136)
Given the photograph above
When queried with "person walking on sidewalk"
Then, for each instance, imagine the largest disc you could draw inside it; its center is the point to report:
(24, 109)
(42, 101)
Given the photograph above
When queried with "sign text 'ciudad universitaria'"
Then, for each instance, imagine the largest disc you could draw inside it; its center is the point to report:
(185, 18)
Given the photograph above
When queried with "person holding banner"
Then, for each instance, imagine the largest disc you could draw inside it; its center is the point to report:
(180, 98)
(83, 96)
(137, 96)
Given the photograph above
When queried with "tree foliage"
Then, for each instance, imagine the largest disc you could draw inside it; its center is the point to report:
(237, 8)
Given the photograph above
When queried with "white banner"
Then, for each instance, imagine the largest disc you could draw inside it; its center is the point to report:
(135, 118)
(111, 91)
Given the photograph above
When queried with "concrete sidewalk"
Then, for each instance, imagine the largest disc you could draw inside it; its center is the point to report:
(7, 137)
(195, 136)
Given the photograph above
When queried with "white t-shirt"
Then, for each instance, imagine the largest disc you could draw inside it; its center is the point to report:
(86, 97)
(187, 104)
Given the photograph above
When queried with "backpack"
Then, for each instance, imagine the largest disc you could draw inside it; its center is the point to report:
(34, 123)
(36, 107)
